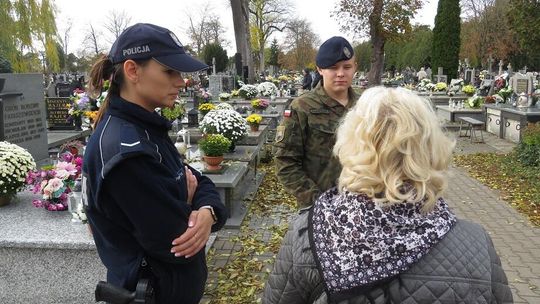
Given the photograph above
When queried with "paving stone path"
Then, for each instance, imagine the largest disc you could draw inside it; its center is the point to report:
(516, 240)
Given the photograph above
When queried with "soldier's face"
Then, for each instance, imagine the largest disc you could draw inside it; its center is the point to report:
(338, 77)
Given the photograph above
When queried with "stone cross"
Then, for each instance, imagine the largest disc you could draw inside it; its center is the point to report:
(214, 65)
(525, 69)
(501, 67)
(467, 63)
(490, 63)
(509, 68)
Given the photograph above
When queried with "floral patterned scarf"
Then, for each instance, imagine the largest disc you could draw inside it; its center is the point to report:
(357, 243)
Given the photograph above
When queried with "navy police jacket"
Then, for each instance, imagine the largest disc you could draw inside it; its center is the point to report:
(136, 194)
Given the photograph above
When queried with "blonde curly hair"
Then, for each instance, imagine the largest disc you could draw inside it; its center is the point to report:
(392, 148)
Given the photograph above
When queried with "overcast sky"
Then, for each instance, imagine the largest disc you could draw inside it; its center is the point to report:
(172, 15)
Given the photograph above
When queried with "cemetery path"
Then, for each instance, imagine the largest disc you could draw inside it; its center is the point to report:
(516, 240)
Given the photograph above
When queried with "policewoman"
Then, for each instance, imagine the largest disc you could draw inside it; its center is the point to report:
(149, 213)
(306, 136)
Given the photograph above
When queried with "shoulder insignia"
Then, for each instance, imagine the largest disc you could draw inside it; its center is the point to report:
(280, 133)
(130, 140)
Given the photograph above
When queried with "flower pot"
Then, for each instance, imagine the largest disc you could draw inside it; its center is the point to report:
(5, 200)
(254, 127)
(213, 162)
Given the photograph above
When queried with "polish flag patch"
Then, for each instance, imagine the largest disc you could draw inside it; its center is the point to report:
(287, 113)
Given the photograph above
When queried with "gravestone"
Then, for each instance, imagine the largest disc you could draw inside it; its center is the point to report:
(501, 64)
(219, 83)
(469, 76)
(440, 77)
(57, 113)
(521, 83)
(23, 113)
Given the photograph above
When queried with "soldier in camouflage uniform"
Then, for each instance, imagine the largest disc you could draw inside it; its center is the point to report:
(305, 139)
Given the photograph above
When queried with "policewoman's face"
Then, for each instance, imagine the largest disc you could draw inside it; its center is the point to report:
(338, 78)
(158, 85)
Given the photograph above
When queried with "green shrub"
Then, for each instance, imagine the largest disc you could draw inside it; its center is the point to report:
(214, 145)
(528, 150)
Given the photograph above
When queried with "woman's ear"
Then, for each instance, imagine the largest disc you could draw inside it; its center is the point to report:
(131, 71)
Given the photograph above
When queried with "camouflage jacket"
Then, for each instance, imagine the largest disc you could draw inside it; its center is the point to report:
(304, 143)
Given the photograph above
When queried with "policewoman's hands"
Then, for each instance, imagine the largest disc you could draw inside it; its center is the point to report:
(195, 238)
(192, 184)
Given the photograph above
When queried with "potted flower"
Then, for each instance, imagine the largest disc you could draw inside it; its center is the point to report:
(248, 91)
(214, 146)
(224, 106)
(205, 96)
(260, 104)
(505, 93)
(176, 112)
(228, 123)
(469, 90)
(267, 89)
(15, 162)
(206, 107)
(224, 96)
(440, 87)
(254, 120)
(475, 102)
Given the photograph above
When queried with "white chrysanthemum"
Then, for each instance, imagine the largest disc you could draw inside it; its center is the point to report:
(14, 162)
(229, 123)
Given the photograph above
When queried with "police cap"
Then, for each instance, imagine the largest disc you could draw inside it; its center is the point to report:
(332, 51)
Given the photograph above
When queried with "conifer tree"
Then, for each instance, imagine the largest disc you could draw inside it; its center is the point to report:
(446, 38)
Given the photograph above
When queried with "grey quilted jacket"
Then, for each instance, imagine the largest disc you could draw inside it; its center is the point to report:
(462, 268)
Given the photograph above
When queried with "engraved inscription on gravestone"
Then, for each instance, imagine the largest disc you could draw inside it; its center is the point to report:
(22, 113)
(522, 86)
(57, 113)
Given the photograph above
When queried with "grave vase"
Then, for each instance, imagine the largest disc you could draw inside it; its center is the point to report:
(254, 127)
(77, 120)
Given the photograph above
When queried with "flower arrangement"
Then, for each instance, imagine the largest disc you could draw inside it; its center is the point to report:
(104, 90)
(15, 163)
(235, 93)
(254, 119)
(468, 89)
(440, 87)
(224, 106)
(92, 115)
(55, 182)
(214, 145)
(267, 89)
(424, 85)
(490, 99)
(475, 102)
(283, 78)
(224, 96)
(260, 104)
(248, 91)
(505, 93)
(204, 95)
(206, 107)
(80, 102)
(177, 111)
(229, 123)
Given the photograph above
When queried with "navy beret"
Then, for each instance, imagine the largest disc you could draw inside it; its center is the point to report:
(332, 51)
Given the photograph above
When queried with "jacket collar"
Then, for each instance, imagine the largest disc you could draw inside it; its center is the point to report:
(330, 102)
(137, 115)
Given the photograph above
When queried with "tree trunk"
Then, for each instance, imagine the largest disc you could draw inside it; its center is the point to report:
(378, 41)
(241, 33)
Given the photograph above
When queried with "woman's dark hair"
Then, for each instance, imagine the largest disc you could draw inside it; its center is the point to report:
(103, 69)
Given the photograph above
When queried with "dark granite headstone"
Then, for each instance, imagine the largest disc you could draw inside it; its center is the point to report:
(23, 113)
(57, 113)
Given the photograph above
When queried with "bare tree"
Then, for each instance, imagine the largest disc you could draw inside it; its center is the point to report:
(65, 39)
(267, 17)
(208, 29)
(117, 22)
(240, 14)
(91, 40)
(301, 43)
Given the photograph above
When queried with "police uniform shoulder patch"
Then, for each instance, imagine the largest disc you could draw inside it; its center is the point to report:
(280, 133)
